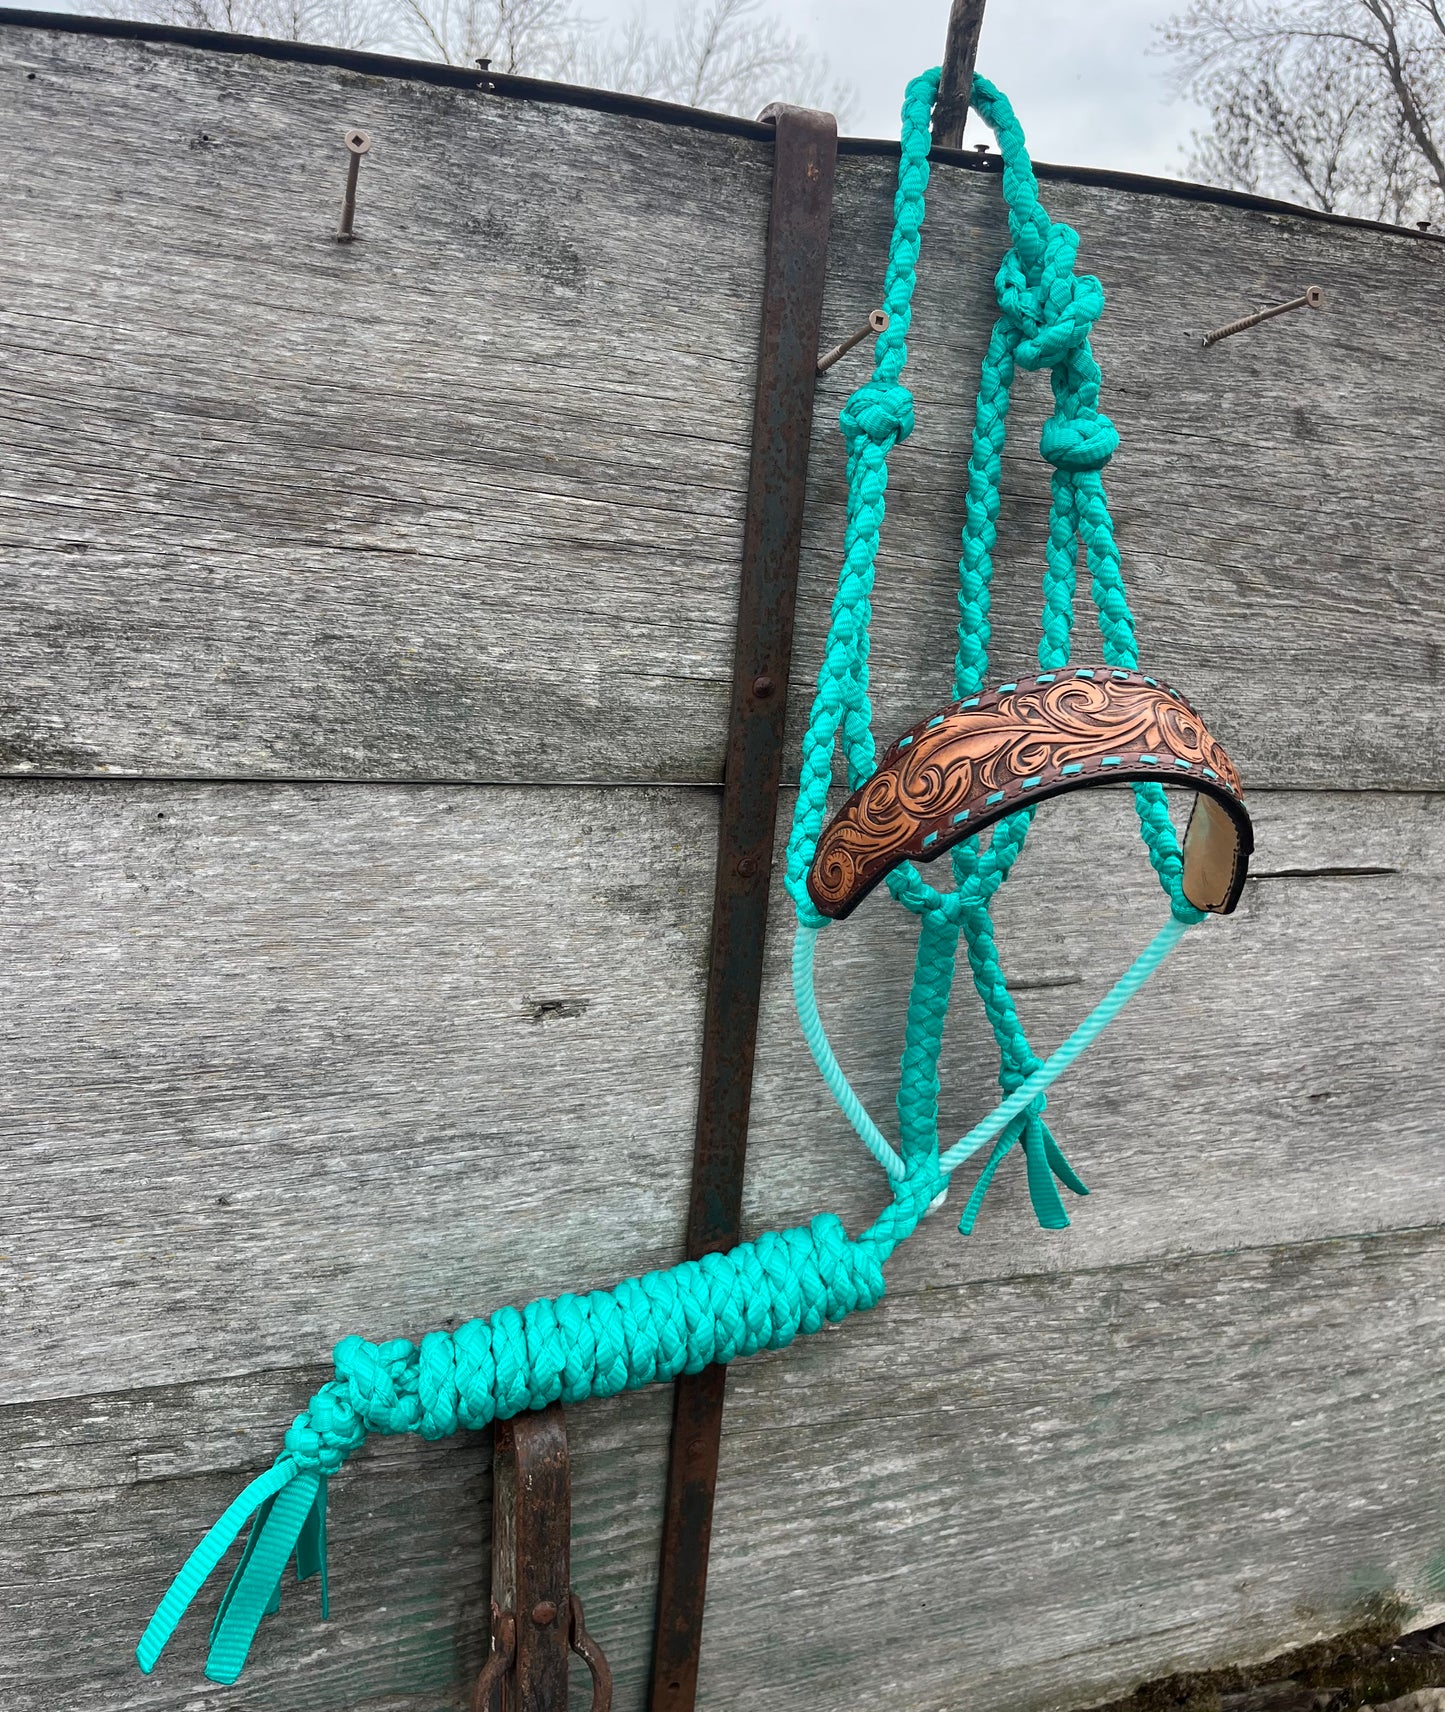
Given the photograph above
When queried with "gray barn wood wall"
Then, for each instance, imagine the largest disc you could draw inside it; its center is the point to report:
(367, 621)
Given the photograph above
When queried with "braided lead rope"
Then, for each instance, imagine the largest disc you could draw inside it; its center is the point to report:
(1046, 312)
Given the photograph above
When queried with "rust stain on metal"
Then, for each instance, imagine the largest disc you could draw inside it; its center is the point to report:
(531, 1572)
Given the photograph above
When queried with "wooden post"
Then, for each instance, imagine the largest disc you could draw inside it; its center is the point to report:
(950, 113)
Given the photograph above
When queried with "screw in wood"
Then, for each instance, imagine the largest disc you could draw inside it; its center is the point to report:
(357, 143)
(877, 322)
(1311, 298)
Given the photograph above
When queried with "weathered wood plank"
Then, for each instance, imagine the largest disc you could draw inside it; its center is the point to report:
(464, 499)
(1025, 1493)
(1036, 1493)
(288, 1062)
(104, 1498)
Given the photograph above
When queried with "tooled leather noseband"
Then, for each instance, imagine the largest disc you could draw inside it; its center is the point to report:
(978, 760)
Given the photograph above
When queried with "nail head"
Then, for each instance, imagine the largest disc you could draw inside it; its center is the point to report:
(544, 1613)
(762, 687)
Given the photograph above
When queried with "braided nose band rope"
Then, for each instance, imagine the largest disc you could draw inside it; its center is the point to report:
(765, 1293)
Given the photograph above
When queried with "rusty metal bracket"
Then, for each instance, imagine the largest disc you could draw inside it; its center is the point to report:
(805, 152)
(536, 1616)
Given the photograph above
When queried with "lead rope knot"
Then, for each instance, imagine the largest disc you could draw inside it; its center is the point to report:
(321, 1438)
(879, 413)
(1052, 310)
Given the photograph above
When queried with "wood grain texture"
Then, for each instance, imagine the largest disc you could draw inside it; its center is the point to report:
(1024, 1493)
(464, 499)
(104, 1499)
(288, 1062)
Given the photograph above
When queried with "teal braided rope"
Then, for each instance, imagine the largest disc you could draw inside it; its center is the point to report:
(763, 1294)
(760, 1295)
(1046, 311)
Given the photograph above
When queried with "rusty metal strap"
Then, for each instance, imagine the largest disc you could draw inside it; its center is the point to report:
(797, 258)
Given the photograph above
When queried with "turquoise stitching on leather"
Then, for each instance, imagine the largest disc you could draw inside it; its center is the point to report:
(764, 1293)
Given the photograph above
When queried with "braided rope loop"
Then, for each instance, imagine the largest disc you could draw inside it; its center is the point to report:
(1047, 310)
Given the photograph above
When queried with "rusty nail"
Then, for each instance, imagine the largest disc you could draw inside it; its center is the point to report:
(1311, 298)
(544, 1612)
(747, 866)
(762, 687)
(357, 143)
(877, 322)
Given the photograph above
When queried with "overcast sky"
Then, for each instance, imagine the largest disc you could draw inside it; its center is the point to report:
(1080, 72)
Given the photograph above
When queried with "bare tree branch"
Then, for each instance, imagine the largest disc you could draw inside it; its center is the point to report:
(727, 54)
(1333, 102)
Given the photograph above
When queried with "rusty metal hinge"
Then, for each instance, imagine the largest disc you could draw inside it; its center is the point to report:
(537, 1619)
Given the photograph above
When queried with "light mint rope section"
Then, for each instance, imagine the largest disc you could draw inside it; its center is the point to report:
(1073, 1048)
(1088, 1031)
(805, 943)
(1046, 309)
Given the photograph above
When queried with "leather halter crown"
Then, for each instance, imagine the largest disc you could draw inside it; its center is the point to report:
(978, 760)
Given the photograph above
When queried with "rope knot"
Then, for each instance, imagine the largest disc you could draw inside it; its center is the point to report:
(380, 1382)
(1085, 441)
(880, 413)
(1053, 311)
(322, 1437)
